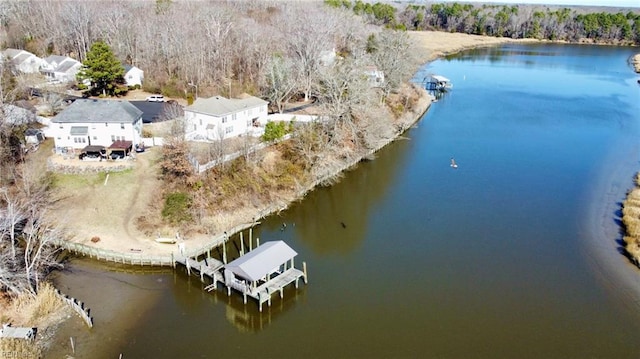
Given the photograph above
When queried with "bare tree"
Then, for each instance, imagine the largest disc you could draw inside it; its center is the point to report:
(281, 82)
(391, 58)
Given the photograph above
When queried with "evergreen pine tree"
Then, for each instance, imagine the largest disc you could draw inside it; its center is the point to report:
(103, 69)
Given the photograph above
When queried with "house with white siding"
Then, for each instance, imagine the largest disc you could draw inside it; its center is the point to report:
(218, 118)
(133, 75)
(60, 68)
(90, 122)
(24, 61)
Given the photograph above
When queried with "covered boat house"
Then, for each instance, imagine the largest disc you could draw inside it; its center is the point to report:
(438, 83)
(265, 270)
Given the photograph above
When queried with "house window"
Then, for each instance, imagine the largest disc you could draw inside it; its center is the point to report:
(113, 138)
(224, 119)
(95, 138)
(106, 124)
(122, 126)
(233, 117)
(61, 126)
(200, 122)
(228, 129)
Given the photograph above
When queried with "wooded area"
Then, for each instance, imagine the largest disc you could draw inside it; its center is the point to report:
(574, 24)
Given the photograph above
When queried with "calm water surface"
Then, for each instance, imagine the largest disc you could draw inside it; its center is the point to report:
(486, 261)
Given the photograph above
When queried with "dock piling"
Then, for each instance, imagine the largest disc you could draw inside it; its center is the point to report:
(304, 270)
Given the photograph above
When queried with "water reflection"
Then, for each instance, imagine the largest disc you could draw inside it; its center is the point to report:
(248, 319)
(335, 220)
(189, 293)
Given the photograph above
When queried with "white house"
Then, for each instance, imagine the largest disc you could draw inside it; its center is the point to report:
(217, 118)
(133, 75)
(60, 68)
(97, 123)
(24, 61)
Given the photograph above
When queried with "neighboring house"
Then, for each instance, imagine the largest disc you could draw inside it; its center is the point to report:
(24, 61)
(133, 75)
(97, 123)
(217, 118)
(60, 68)
(374, 76)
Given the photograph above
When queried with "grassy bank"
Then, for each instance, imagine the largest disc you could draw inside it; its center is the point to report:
(631, 221)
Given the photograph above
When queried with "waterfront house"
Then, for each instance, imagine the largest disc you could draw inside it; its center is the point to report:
(133, 76)
(58, 68)
(96, 122)
(217, 118)
(24, 61)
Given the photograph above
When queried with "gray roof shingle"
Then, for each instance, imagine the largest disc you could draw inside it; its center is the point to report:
(99, 111)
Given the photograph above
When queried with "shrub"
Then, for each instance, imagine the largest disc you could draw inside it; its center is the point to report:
(176, 207)
(273, 131)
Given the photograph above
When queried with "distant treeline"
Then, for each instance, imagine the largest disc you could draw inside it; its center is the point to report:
(514, 21)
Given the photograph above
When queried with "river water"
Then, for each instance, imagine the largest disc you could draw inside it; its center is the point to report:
(514, 254)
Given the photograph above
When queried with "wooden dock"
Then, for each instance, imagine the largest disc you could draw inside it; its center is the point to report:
(262, 290)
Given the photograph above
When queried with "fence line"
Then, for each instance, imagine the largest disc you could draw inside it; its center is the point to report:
(78, 307)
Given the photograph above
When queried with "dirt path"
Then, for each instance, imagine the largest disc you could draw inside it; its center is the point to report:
(141, 193)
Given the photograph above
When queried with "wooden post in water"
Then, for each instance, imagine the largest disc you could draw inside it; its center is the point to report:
(173, 261)
(250, 248)
(201, 274)
(304, 270)
(257, 242)
(224, 251)
(242, 244)
(186, 262)
(250, 234)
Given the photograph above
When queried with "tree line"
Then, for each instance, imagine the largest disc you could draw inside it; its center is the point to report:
(221, 47)
(514, 21)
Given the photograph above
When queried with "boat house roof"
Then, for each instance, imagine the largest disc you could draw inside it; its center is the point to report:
(262, 260)
(439, 78)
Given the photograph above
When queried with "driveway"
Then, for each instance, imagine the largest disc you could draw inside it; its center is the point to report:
(151, 111)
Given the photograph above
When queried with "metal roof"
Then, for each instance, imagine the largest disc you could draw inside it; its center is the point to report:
(220, 106)
(262, 260)
(99, 111)
(121, 145)
(440, 78)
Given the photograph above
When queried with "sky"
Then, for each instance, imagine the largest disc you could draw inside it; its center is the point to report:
(614, 3)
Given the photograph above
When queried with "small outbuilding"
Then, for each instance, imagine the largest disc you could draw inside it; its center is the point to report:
(33, 136)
